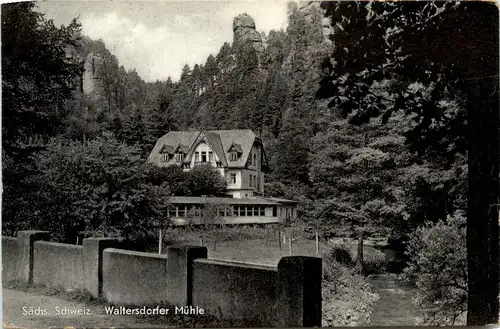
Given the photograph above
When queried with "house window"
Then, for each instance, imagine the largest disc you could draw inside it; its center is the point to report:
(251, 180)
(179, 157)
(255, 159)
(197, 156)
(233, 156)
(210, 156)
(172, 212)
(164, 158)
(203, 157)
(233, 178)
(182, 211)
(262, 211)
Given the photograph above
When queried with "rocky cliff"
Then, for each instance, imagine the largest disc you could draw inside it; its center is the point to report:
(244, 32)
(92, 65)
(315, 15)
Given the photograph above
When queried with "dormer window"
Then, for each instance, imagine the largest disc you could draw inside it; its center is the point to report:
(255, 159)
(234, 152)
(179, 157)
(166, 153)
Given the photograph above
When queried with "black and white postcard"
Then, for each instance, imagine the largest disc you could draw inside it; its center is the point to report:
(182, 164)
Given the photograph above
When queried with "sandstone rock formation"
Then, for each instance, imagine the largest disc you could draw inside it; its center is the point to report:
(91, 80)
(311, 11)
(244, 32)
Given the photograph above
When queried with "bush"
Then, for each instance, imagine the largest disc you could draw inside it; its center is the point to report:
(438, 266)
(375, 262)
(339, 254)
(347, 295)
(90, 188)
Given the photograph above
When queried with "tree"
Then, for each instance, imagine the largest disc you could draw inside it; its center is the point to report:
(212, 216)
(290, 162)
(171, 175)
(37, 77)
(353, 171)
(438, 264)
(211, 70)
(96, 187)
(404, 44)
(204, 180)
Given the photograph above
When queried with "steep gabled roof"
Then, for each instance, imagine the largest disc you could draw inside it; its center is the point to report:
(167, 149)
(216, 144)
(219, 140)
(213, 140)
(245, 140)
(183, 148)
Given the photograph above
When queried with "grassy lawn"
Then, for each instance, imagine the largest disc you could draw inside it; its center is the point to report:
(256, 251)
(259, 252)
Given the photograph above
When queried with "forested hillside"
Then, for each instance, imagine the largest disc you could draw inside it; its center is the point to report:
(346, 176)
(368, 112)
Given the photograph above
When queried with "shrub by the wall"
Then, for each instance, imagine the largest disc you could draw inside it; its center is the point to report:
(438, 266)
(347, 296)
(375, 262)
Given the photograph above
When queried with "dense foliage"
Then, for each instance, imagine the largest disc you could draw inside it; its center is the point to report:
(438, 265)
(93, 188)
(203, 180)
(366, 129)
(37, 77)
(347, 295)
(409, 58)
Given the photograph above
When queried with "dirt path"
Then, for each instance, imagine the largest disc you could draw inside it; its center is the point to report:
(395, 306)
(16, 305)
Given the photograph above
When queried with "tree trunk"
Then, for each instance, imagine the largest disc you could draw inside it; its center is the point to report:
(279, 239)
(317, 243)
(160, 240)
(360, 265)
(483, 164)
(482, 216)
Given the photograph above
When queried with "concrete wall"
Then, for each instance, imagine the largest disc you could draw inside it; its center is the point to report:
(286, 296)
(10, 259)
(58, 264)
(134, 278)
(236, 290)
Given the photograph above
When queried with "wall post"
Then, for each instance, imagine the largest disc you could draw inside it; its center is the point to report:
(299, 292)
(26, 245)
(92, 262)
(180, 273)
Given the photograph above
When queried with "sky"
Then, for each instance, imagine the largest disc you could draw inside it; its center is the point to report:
(157, 38)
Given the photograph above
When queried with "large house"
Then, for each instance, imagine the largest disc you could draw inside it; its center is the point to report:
(240, 158)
